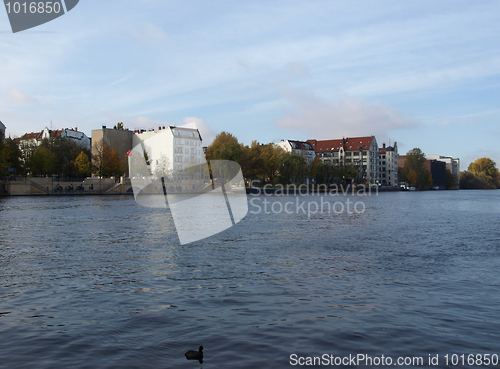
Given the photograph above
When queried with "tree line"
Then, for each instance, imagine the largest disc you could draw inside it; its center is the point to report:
(59, 157)
(262, 162)
(269, 163)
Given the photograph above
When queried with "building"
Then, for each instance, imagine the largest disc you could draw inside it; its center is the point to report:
(388, 165)
(2, 132)
(438, 172)
(452, 164)
(171, 149)
(361, 152)
(302, 148)
(170, 152)
(35, 138)
(436, 168)
(118, 139)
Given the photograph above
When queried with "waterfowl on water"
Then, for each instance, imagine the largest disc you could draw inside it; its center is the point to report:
(195, 355)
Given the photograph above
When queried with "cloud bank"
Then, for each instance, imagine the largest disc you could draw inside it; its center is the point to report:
(321, 119)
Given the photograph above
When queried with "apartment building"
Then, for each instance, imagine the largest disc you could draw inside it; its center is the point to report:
(388, 165)
(362, 152)
(302, 148)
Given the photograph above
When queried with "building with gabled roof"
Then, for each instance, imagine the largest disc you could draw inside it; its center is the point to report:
(35, 138)
(302, 148)
(362, 152)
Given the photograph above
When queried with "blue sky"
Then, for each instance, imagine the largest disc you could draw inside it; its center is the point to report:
(425, 74)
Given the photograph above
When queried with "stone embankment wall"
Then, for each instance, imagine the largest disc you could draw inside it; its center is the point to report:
(49, 186)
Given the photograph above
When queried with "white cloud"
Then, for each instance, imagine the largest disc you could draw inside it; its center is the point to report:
(349, 116)
(15, 96)
(207, 134)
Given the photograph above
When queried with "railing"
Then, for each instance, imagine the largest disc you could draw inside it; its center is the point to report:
(39, 186)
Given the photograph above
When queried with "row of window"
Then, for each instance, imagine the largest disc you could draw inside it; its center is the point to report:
(187, 142)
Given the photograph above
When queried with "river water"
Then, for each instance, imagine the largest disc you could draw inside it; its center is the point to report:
(101, 282)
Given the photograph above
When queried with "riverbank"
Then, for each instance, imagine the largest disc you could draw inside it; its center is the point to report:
(47, 186)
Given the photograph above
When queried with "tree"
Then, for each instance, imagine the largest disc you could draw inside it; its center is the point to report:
(415, 171)
(326, 173)
(10, 156)
(272, 157)
(43, 161)
(82, 163)
(481, 174)
(66, 151)
(111, 162)
(106, 161)
(261, 161)
(293, 168)
(224, 147)
(451, 181)
(118, 125)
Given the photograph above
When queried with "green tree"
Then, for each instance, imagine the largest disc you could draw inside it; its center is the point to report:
(66, 151)
(348, 171)
(82, 163)
(326, 173)
(451, 181)
(43, 161)
(224, 147)
(10, 156)
(293, 168)
(415, 171)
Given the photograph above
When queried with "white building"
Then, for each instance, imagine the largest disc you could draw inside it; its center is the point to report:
(452, 164)
(173, 154)
(302, 148)
(388, 165)
(361, 152)
(2, 132)
(171, 149)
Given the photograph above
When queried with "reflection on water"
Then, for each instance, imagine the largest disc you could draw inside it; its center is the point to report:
(102, 282)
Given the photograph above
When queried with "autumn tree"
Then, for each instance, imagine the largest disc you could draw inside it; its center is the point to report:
(106, 161)
(111, 162)
(481, 174)
(415, 171)
(82, 163)
(272, 157)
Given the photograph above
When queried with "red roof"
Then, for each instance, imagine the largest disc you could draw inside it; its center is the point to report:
(31, 136)
(56, 133)
(349, 144)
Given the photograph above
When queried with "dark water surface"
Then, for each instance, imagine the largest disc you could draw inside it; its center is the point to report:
(100, 282)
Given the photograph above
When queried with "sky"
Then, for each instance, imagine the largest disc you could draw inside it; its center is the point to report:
(423, 74)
